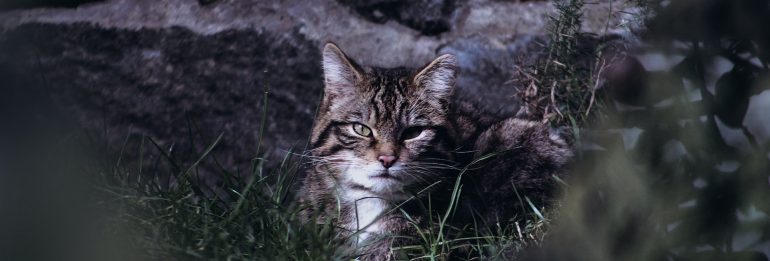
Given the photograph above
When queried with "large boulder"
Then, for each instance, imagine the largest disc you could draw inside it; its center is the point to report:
(176, 87)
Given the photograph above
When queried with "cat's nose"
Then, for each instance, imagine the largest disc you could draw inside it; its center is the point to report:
(387, 161)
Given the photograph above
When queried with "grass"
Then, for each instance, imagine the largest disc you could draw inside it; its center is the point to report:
(172, 214)
(562, 87)
(257, 219)
(176, 216)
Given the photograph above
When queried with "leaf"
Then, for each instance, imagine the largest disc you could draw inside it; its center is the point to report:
(534, 209)
(733, 91)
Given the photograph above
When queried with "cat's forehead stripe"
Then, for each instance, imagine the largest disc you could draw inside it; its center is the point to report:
(387, 95)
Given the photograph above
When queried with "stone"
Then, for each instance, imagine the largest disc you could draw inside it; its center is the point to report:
(176, 87)
(20, 4)
(430, 17)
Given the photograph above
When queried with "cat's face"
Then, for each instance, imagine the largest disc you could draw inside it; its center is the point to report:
(383, 130)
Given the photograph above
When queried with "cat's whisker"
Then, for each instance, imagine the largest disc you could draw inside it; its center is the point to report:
(439, 167)
(427, 166)
(433, 166)
(340, 136)
(438, 159)
(419, 178)
(422, 172)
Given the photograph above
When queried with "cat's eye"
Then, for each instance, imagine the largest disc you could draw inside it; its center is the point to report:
(362, 130)
(411, 133)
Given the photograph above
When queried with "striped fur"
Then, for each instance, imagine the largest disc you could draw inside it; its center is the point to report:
(413, 117)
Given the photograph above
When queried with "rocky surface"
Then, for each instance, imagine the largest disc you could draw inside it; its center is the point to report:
(176, 87)
(430, 17)
(389, 44)
(183, 72)
(18, 4)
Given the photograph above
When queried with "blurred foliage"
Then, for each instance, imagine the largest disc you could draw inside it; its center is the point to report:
(684, 189)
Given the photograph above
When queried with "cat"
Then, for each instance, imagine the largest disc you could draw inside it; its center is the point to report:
(385, 138)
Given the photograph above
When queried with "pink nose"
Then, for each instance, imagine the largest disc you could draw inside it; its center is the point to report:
(387, 161)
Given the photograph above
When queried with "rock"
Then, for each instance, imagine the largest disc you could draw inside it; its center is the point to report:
(182, 72)
(387, 44)
(487, 67)
(179, 88)
(18, 4)
(430, 17)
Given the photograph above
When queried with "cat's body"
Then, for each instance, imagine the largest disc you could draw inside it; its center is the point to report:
(390, 137)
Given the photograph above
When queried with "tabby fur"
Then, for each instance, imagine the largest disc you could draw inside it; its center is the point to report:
(412, 117)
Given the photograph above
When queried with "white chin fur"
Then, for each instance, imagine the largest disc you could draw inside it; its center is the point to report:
(358, 172)
(370, 205)
(362, 175)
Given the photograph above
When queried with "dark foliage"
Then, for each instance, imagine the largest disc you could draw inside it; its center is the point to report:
(682, 191)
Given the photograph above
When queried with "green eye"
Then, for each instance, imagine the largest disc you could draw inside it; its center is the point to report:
(362, 130)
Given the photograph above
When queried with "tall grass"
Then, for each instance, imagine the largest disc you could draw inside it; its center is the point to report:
(562, 86)
(172, 214)
(257, 219)
(181, 217)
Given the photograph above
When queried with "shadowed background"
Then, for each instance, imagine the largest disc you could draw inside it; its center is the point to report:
(675, 167)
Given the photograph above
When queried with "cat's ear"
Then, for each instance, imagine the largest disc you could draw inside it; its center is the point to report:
(438, 77)
(340, 73)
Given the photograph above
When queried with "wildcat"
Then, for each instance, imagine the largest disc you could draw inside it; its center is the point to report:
(385, 139)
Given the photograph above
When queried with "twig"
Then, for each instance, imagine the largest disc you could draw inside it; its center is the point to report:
(596, 86)
(553, 100)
